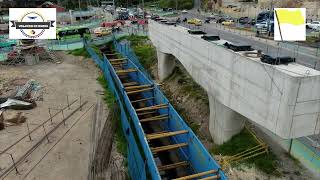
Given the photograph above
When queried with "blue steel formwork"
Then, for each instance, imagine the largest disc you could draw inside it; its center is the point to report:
(141, 163)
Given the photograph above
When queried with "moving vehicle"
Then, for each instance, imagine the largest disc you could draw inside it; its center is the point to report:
(102, 31)
(228, 22)
(184, 11)
(73, 32)
(195, 21)
(314, 25)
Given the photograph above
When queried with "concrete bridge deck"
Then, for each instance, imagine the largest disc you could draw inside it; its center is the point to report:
(284, 99)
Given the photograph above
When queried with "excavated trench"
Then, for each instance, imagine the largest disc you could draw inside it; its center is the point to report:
(161, 158)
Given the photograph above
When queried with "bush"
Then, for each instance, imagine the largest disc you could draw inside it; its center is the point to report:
(182, 4)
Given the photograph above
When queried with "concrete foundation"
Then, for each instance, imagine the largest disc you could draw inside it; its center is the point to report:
(224, 122)
(166, 64)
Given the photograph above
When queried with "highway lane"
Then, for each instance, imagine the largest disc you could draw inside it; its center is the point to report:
(301, 57)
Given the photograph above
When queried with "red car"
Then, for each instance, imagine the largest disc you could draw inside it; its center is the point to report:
(113, 23)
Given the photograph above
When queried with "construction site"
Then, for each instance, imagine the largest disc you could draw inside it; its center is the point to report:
(156, 90)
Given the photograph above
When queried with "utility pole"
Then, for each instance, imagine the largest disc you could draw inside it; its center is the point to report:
(176, 5)
(79, 4)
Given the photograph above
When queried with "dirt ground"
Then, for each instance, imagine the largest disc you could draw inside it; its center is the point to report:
(66, 156)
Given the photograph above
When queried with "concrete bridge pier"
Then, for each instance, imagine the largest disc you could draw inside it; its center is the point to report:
(166, 64)
(223, 122)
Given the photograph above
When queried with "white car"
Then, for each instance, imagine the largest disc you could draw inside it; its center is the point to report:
(184, 11)
(261, 25)
(314, 25)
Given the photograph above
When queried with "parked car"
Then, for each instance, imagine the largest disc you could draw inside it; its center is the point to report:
(195, 21)
(207, 20)
(228, 22)
(220, 20)
(102, 31)
(184, 11)
(314, 25)
(244, 20)
(154, 16)
(261, 25)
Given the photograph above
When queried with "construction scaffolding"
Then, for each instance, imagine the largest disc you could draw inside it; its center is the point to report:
(257, 150)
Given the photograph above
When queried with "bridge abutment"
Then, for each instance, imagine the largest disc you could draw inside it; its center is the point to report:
(166, 64)
(223, 122)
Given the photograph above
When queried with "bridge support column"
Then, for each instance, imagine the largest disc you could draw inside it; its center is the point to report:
(166, 64)
(224, 122)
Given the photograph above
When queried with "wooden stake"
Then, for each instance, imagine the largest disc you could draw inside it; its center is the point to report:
(193, 176)
(118, 63)
(141, 100)
(166, 134)
(113, 54)
(140, 90)
(155, 118)
(145, 113)
(211, 177)
(130, 84)
(155, 107)
(119, 59)
(124, 71)
(168, 147)
(137, 87)
(172, 166)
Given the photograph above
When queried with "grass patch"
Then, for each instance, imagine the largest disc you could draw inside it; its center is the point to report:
(188, 85)
(243, 141)
(110, 100)
(144, 50)
(83, 52)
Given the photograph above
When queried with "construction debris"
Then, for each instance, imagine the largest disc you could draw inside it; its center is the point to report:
(278, 60)
(26, 91)
(17, 104)
(13, 117)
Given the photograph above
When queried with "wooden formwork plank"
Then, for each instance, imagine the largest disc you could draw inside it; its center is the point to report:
(140, 90)
(155, 118)
(155, 107)
(124, 71)
(130, 84)
(118, 63)
(146, 113)
(172, 166)
(137, 87)
(118, 59)
(112, 54)
(166, 134)
(211, 177)
(168, 147)
(197, 175)
(141, 100)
